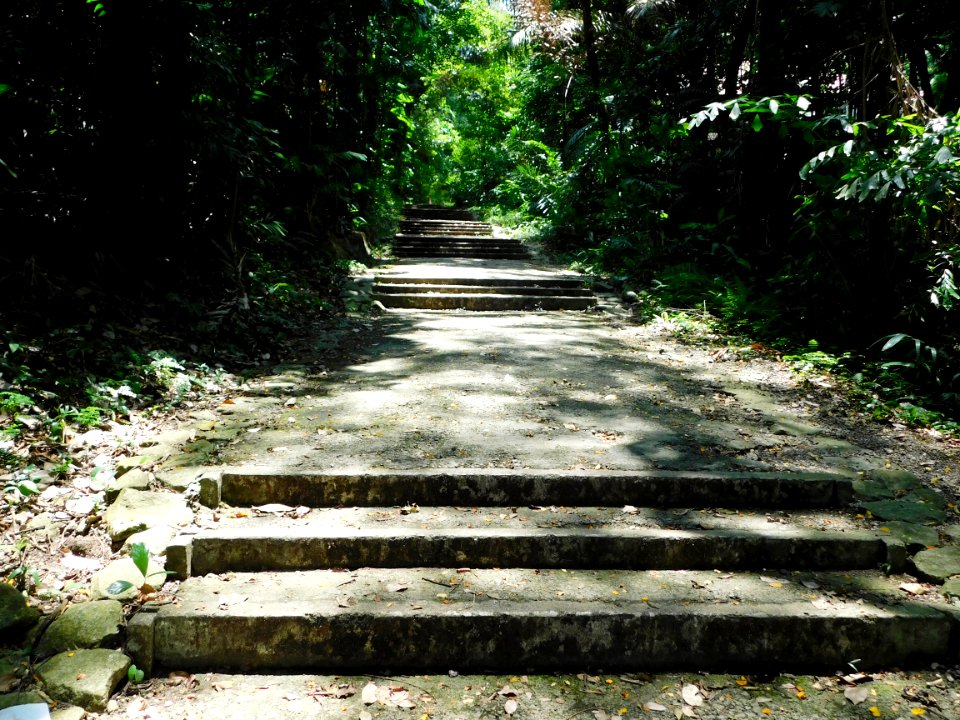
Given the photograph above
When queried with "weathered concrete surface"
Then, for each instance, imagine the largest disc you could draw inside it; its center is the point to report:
(137, 510)
(422, 618)
(514, 390)
(515, 487)
(84, 677)
(318, 545)
(87, 625)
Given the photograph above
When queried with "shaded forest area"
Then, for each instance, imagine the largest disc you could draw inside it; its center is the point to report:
(183, 182)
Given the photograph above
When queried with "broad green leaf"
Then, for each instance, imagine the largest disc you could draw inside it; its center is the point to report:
(141, 557)
(893, 340)
(757, 123)
(28, 487)
(848, 147)
(943, 156)
(774, 106)
(4, 88)
(119, 587)
(803, 103)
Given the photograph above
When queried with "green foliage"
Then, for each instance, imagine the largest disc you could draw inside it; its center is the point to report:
(140, 556)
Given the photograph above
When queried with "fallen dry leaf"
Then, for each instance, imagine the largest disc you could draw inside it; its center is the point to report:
(913, 588)
(692, 696)
(345, 691)
(369, 693)
(654, 707)
(856, 694)
(274, 508)
(601, 715)
(364, 715)
(397, 587)
(510, 706)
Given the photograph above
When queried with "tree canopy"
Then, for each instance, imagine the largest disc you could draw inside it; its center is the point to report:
(792, 166)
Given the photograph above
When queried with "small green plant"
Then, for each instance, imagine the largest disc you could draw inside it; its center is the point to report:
(20, 487)
(23, 577)
(135, 675)
(141, 559)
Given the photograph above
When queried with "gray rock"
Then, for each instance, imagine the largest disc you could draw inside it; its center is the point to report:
(872, 486)
(125, 570)
(885, 484)
(127, 464)
(914, 536)
(179, 477)
(15, 615)
(156, 539)
(951, 588)
(68, 713)
(952, 532)
(135, 479)
(84, 677)
(43, 526)
(137, 510)
(906, 511)
(21, 698)
(939, 564)
(87, 625)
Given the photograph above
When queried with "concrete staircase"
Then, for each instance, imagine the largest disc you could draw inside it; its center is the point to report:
(521, 571)
(529, 570)
(435, 234)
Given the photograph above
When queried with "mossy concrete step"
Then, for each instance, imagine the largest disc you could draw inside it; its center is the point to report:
(428, 253)
(526, 620)
(491, 279)
(394, 288)
(445, 538)
(443, 227)
(480, 486)
(485, 303)
(454, 236)
(437, 212)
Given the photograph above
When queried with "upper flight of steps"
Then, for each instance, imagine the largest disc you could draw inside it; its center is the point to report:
(524, 570)
(431, 231)
(449, 235)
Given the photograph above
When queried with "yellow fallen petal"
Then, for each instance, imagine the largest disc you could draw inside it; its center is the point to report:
(918, 711)
(874, 710)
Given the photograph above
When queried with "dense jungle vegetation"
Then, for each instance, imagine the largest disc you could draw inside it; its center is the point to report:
(183, 182)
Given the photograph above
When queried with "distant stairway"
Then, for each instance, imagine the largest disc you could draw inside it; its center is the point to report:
(428, 231)
(456, 239)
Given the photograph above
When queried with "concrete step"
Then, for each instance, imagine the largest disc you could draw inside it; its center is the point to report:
(532, 281)
(495, 487)
(429, 253)
(485, 303)
(411, 237)
(437, 212)
(445, 227)
(525, 620)
(393, 288)
(499, 537)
